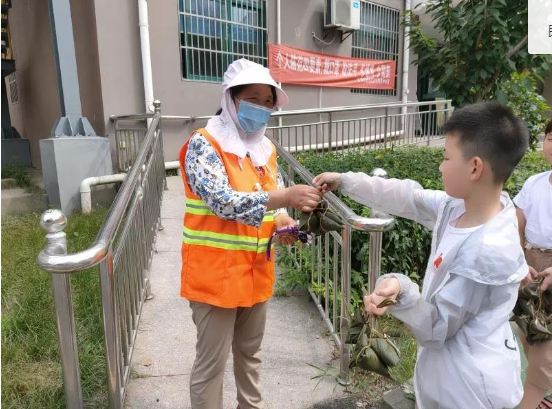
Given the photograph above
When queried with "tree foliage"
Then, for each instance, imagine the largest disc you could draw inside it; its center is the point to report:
(483, 42)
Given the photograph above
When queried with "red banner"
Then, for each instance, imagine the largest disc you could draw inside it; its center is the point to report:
(295, 66)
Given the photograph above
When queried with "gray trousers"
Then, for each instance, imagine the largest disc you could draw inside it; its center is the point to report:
(218, 329)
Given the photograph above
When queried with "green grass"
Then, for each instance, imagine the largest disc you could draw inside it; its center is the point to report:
(21, 175)
(31, 371)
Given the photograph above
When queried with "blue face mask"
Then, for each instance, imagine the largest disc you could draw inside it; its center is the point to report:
(253, 117)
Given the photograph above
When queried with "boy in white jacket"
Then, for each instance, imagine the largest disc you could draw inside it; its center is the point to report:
(468, 357)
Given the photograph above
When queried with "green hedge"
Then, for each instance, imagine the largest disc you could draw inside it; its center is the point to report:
(406, 247)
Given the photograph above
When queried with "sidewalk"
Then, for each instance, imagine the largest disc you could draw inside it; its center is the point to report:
(165, 347)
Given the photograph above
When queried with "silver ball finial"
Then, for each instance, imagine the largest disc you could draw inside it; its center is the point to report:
(380, 173)
(53, 221)
(157, 104)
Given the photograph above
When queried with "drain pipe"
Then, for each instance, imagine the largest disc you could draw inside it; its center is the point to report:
(86, 185)
(146, 54)
(279, 41)
(406, 64)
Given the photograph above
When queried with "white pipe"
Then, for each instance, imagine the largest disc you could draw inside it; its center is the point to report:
(172, 165)
(86, 184)
(146, 53)
(278, 22)
(86, 188)
(406, 64)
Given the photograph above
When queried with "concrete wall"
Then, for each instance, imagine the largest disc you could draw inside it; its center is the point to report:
(299, 19)
(39, 105)
(86, 50)
(110, 72)
(36, 72)
(120, 67)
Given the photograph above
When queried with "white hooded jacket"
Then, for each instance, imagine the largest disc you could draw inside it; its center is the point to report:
(468, 357)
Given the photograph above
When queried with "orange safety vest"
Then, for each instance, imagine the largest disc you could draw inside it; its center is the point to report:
(224, 262)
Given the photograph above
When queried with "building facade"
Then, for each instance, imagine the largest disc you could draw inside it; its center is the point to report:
(191, 43)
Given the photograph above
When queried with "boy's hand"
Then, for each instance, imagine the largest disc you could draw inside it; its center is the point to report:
(547, 275)
(327, 181)
(387, 288)
(283, 220)
(530, 277)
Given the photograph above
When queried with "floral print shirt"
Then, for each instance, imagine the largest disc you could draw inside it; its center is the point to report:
(207, 177)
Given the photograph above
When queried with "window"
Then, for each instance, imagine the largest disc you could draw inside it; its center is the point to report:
(377, 39)
(214, 33)
(12, 84)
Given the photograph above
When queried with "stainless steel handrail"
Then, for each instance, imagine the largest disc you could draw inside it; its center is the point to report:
(123, 248)
(114, 118)
(328, 110)
(51, 262)
(374, 225)
(352, 219)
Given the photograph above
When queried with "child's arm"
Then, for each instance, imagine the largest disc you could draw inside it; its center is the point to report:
(405, 198)
(431, 324)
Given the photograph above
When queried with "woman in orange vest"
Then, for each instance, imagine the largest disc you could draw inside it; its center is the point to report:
(235, 198)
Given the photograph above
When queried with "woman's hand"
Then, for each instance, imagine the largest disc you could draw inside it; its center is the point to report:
(300, 197)
(547, 275)
(281, 221)
(387, 288)
(327, 181)
(303, 197)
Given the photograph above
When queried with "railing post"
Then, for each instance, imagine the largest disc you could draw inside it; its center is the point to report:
(374, 260)
(112, 332)
(343, 377)
(290, 178)
(53, 221)
(385, 128)
(330, 130)
(157, 110)
(142, 224)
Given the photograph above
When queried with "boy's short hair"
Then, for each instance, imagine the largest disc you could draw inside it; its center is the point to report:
(548, 128)
(492, 132)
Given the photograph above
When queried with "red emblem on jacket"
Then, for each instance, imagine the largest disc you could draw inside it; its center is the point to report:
(438, 261)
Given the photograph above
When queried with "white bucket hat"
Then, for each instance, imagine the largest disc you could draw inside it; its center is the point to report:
(242, 72)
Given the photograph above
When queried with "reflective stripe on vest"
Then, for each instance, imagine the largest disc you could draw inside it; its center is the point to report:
(199, 208)
(221, 240)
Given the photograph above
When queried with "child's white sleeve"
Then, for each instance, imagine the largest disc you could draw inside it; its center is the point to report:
(432, 324)
(405, 198)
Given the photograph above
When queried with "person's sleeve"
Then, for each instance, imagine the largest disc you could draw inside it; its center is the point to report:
(281, 185)
(432, 324)
(207, 178)
(404, 198)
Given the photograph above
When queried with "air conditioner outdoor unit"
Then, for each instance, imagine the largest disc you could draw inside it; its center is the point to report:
(342, 14)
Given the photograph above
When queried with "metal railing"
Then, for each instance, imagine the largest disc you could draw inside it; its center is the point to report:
(361, 127)
(336, 129)
(125, 243)
(374, 126)
(332, 253)
(128, 139)
(123, 248)
(336, 306)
